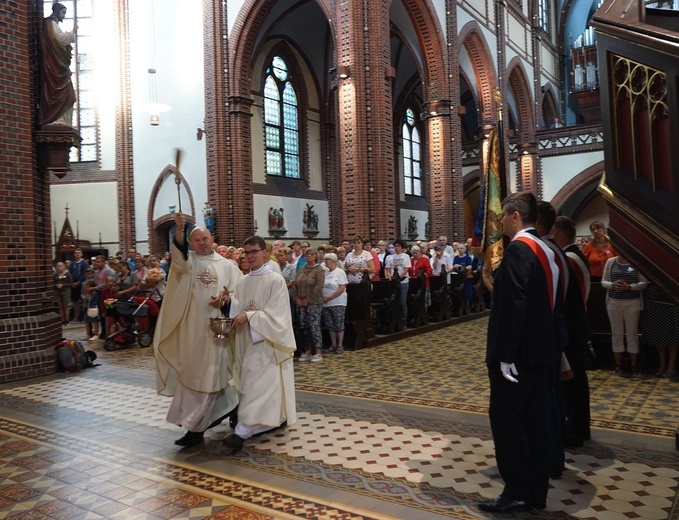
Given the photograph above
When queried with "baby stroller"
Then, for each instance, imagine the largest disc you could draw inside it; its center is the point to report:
(133, 318)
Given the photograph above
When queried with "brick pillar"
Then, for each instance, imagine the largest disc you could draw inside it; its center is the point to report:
(332, 176)
(239, 190)
(502, 84)
(537, 103)
(123, 132)
(528, 162)
(442, 174)
(29, 327)
(217, 131)
(369, 187)
(453, 227)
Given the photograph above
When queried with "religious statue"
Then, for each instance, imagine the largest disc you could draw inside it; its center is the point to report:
(277, 222)
(310, 222)
(58, 95)
(412, 226)
(427, 229)
(310, 219)
(209, 217)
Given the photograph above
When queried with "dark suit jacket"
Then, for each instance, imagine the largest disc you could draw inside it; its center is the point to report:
(521, 329)
(574, 306)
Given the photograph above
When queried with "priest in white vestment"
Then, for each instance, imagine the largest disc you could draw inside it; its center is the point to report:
(194, 366)
(264, 346)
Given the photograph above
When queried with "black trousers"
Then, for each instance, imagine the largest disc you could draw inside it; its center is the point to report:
(576, 396)
(519, 417)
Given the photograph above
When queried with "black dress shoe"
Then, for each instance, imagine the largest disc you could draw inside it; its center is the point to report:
(233, 441)
(503, 505)
(573, 441)
(190, 439)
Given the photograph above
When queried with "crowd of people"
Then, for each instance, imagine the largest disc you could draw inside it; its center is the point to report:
(317, 278)
(538, 331)
(633, 305)
(318, 293)
(84, 291)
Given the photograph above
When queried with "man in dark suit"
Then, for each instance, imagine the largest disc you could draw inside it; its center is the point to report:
(575, 390)
(543, 226)
(521, 354)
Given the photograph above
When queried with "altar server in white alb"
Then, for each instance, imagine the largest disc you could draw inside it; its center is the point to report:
(264, 346)
(194, 366)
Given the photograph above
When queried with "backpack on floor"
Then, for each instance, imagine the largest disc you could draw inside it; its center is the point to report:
(72, 356)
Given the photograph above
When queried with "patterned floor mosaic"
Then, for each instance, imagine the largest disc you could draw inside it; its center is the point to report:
(96, 445)
(445, 369)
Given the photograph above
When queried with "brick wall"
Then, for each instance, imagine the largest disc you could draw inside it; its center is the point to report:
(364, 99)
(123, 133)
(28, 326)
(455, 141)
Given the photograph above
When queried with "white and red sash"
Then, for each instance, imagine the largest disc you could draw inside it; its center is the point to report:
(560, 260)
(546, 257)
(581, 274)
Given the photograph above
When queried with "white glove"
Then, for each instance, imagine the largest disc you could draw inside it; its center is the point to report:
(508, 371)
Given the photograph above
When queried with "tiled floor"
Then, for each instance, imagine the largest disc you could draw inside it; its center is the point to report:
(398, 431)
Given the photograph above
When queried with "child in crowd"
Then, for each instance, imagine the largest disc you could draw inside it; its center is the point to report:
(89, 275)
(91, 304)
(62, 290)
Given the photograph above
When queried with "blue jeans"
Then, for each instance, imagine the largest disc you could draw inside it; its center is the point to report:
(403, 286)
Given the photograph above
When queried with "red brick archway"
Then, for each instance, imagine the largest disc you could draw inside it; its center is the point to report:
(486, 80)
(247, 29)
(435, 82)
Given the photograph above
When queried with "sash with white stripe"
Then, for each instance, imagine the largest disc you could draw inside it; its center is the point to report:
(560, 260)
(581, 273)
(546, 257)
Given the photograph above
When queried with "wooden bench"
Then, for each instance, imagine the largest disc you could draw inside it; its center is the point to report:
(386, 308)
(456, 290)
(358, 327)
(417, 309)
(440, 298)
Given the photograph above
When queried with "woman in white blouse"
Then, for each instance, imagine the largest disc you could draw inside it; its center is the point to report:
(334, 302)
(358, 263)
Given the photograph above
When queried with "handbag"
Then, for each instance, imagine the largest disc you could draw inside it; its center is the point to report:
(92, 312)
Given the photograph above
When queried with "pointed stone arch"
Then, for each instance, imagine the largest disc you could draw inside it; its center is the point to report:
(486, 79)
(549, 106)
(435, 81)
(406, 91)
(516, 80)
(247, 27)
(157, 226)
(438, 89)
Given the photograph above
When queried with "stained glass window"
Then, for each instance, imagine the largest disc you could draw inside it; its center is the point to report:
(281, 116)
(412, 165)
(543, 16)
(84, 110)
